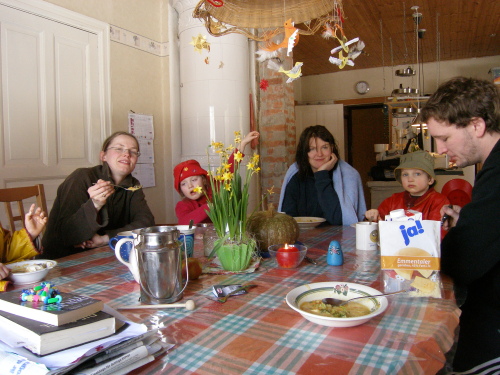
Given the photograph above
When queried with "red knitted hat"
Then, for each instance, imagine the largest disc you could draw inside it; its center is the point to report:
(187, 169)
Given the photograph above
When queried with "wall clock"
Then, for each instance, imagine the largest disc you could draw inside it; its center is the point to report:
(362, 87)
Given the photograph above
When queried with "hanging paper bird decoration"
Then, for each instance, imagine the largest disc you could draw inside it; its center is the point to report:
(356, 50)
(342, 61)
(270, 49)
(273, 65)
(293, 73)
(328, 33)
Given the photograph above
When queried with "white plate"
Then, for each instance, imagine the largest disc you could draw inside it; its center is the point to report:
(33, 276)
(308, 222)
(340, 290)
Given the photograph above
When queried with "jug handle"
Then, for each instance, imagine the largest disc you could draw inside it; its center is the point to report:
(118, 247)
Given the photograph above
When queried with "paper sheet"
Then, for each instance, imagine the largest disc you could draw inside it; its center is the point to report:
(145, 173)
(141, 126)
(147, 152)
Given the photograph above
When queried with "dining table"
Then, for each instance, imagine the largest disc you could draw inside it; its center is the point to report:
(258, 333)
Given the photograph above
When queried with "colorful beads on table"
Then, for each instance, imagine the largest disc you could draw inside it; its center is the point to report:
(45, 292)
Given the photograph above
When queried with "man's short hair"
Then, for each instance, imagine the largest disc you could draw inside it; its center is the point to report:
(461, 99)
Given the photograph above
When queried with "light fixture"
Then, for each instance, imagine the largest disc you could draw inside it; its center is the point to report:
(404, 111)
(408, 72)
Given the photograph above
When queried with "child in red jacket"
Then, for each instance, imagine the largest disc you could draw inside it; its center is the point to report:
(416, 173)
(189, 175)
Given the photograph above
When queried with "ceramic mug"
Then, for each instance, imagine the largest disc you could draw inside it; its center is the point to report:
(366, 236)
(127, 246)
(131, 262)
(187, 239)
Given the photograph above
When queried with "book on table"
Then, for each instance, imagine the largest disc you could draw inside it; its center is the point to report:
(42, 338)
(71, 308)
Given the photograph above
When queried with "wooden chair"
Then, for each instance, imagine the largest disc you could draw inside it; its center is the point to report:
(18, 194)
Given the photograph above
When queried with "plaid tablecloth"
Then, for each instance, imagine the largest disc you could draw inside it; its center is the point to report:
(257, 333)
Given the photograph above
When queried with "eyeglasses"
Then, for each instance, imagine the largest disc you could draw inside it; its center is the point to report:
(122, 150)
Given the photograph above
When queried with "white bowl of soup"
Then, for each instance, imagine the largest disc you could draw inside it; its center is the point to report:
(30, 271)
(306, 300)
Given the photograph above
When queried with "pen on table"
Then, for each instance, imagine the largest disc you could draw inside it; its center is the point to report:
(446, 216)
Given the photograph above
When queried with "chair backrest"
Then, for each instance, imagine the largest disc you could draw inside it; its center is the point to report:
(16, 195)
(458, 191)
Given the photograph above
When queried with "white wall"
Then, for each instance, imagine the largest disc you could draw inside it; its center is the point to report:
(340, 85)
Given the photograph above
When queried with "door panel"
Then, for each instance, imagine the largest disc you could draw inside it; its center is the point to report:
(51, 111)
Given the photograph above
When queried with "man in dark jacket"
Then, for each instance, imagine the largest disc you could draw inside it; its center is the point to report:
(463, 116)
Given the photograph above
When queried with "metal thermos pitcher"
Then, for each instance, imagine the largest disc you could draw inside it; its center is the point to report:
(159, 258)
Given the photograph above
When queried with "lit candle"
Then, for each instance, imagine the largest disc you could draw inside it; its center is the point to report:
(288, 256)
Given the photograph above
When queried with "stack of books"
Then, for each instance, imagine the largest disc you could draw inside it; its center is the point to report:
(47, 328)
(57, 330)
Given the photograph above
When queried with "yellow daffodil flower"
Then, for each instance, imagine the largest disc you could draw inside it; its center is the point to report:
(238, 156)
(237, 137)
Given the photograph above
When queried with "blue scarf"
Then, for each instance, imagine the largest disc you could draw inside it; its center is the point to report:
(347, 185)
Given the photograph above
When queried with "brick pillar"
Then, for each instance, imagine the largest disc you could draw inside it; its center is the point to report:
(277, 127)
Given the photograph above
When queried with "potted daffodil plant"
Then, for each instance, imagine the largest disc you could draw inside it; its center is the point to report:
(228, 206)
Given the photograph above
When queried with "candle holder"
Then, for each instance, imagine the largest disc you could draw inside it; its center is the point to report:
(288, 256)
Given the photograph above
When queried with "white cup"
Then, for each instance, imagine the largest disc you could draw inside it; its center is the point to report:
(132, 261)
(366, 236)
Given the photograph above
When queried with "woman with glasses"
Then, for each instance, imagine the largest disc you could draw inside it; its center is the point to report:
(93, 204)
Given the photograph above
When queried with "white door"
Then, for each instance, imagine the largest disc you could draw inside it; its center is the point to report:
(51, 114)
(329, 115)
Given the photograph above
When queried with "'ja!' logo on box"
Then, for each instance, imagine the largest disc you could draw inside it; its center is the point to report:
(411, 231)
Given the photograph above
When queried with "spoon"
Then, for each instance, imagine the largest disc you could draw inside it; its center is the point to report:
(339, 302)
(191, 222)
(131, 188)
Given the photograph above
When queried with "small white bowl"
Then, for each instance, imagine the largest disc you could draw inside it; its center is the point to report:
(340, 290)
(30, 277)
(306, 222)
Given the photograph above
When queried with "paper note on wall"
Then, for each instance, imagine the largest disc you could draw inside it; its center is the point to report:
(141, 126)
(145, 173)
(147, 151)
